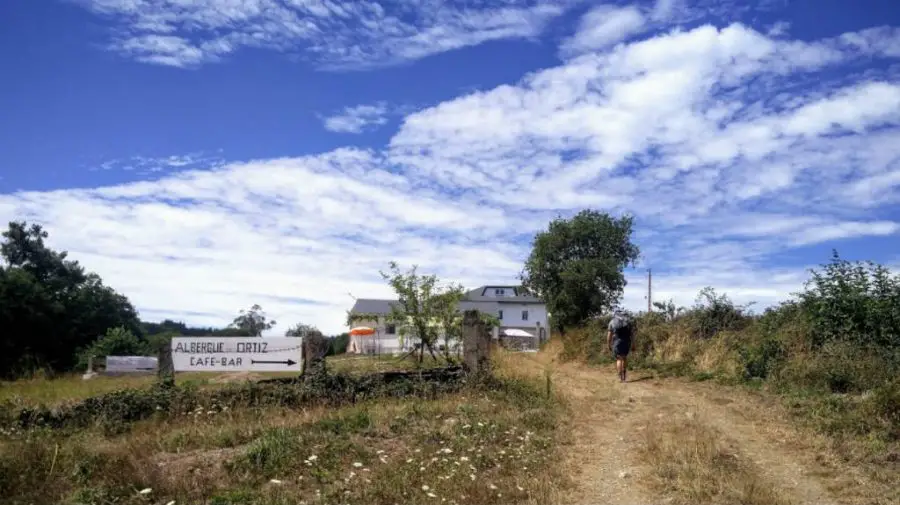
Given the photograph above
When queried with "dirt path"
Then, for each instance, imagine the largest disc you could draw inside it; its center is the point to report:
(609, 422)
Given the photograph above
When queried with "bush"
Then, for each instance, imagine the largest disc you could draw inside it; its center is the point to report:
(761, 358)
(853, 301)
(339, 344)
(116, 342)
(115, 411)
(714, 313)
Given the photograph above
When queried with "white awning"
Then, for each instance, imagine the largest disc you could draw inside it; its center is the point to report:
(515, 332)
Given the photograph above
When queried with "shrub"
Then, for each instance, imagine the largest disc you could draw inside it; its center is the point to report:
(115, 411)
(761, 358)
(713, 313)
(116, 342)
(853, 301)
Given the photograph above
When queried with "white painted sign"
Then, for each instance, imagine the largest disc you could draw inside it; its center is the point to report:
(125, 364)
(236, 354)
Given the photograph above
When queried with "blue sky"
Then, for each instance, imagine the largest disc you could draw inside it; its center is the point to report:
(205, 155)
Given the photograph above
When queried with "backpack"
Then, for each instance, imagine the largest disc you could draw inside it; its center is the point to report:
(624, 325)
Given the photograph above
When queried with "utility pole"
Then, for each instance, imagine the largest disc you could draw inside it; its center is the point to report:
(649, 291)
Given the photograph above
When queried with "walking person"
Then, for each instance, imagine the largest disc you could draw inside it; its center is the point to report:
(620, 340)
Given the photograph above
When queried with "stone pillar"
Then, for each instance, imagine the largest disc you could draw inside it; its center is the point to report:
(166, 370)
(476, 343)
(315, 346)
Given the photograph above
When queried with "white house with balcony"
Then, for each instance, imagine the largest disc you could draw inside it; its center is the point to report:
(523, 319)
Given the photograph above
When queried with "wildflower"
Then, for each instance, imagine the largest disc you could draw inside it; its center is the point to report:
(275, 481)
(357, 464)
(352, 474)
(492, 486)
(520, 488)
(312, 458)
(446, 450)
(171, 502)
(464, 458)
(145, 491)
(432, 495)
(425, 488)
(409, 460)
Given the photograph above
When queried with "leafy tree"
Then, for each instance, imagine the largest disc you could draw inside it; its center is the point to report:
(669, 310)
(449, 317)
(116, 342)
(252, 322)
(576, 265)
(302, 330)
(420, 302)
(339, 344)
(49, 306)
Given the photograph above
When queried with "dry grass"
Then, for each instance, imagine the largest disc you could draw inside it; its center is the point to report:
(479, 446)
(694, 464)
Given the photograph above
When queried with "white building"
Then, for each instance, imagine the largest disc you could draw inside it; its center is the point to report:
(519, 315)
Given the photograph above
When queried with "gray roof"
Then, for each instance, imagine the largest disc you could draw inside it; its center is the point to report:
(472, 300)
(372, 306)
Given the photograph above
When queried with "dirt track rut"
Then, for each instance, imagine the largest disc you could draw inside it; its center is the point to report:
(608, 419)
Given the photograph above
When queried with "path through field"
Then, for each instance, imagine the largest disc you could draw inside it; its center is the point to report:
(610, 423)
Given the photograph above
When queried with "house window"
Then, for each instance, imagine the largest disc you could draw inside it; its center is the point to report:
(500, 315)
(390, 329)
(524, 315)
(499, 292)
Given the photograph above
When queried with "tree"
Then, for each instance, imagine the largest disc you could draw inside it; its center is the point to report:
(253, 322)
(49, 306)
(420, 302)
(576, 265)
(669, 310)
(339, 343)
(116, 342)
(302, 330)
(449, 316)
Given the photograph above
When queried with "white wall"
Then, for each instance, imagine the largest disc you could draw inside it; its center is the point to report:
(512, 314)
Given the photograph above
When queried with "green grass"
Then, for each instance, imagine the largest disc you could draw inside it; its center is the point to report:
(47, 391)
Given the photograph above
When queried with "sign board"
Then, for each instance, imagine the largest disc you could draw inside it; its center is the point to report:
(237, 354)
(125, 364)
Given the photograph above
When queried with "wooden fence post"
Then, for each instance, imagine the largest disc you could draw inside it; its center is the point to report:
(476, 343)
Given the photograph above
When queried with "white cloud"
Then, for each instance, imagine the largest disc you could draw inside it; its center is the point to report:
(606, 25)
(356, 119)
(729, 146)
(334, 34)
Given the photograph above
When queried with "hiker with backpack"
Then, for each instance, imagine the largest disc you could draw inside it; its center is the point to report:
(620, 340)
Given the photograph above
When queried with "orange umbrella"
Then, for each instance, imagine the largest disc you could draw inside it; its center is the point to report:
(362, 330)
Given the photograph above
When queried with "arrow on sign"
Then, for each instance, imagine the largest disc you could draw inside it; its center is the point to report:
(288, 362)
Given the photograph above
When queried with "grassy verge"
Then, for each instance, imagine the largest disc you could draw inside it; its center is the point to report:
(480, 446)
(693, 463)
(69, 387)
(229, 444)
